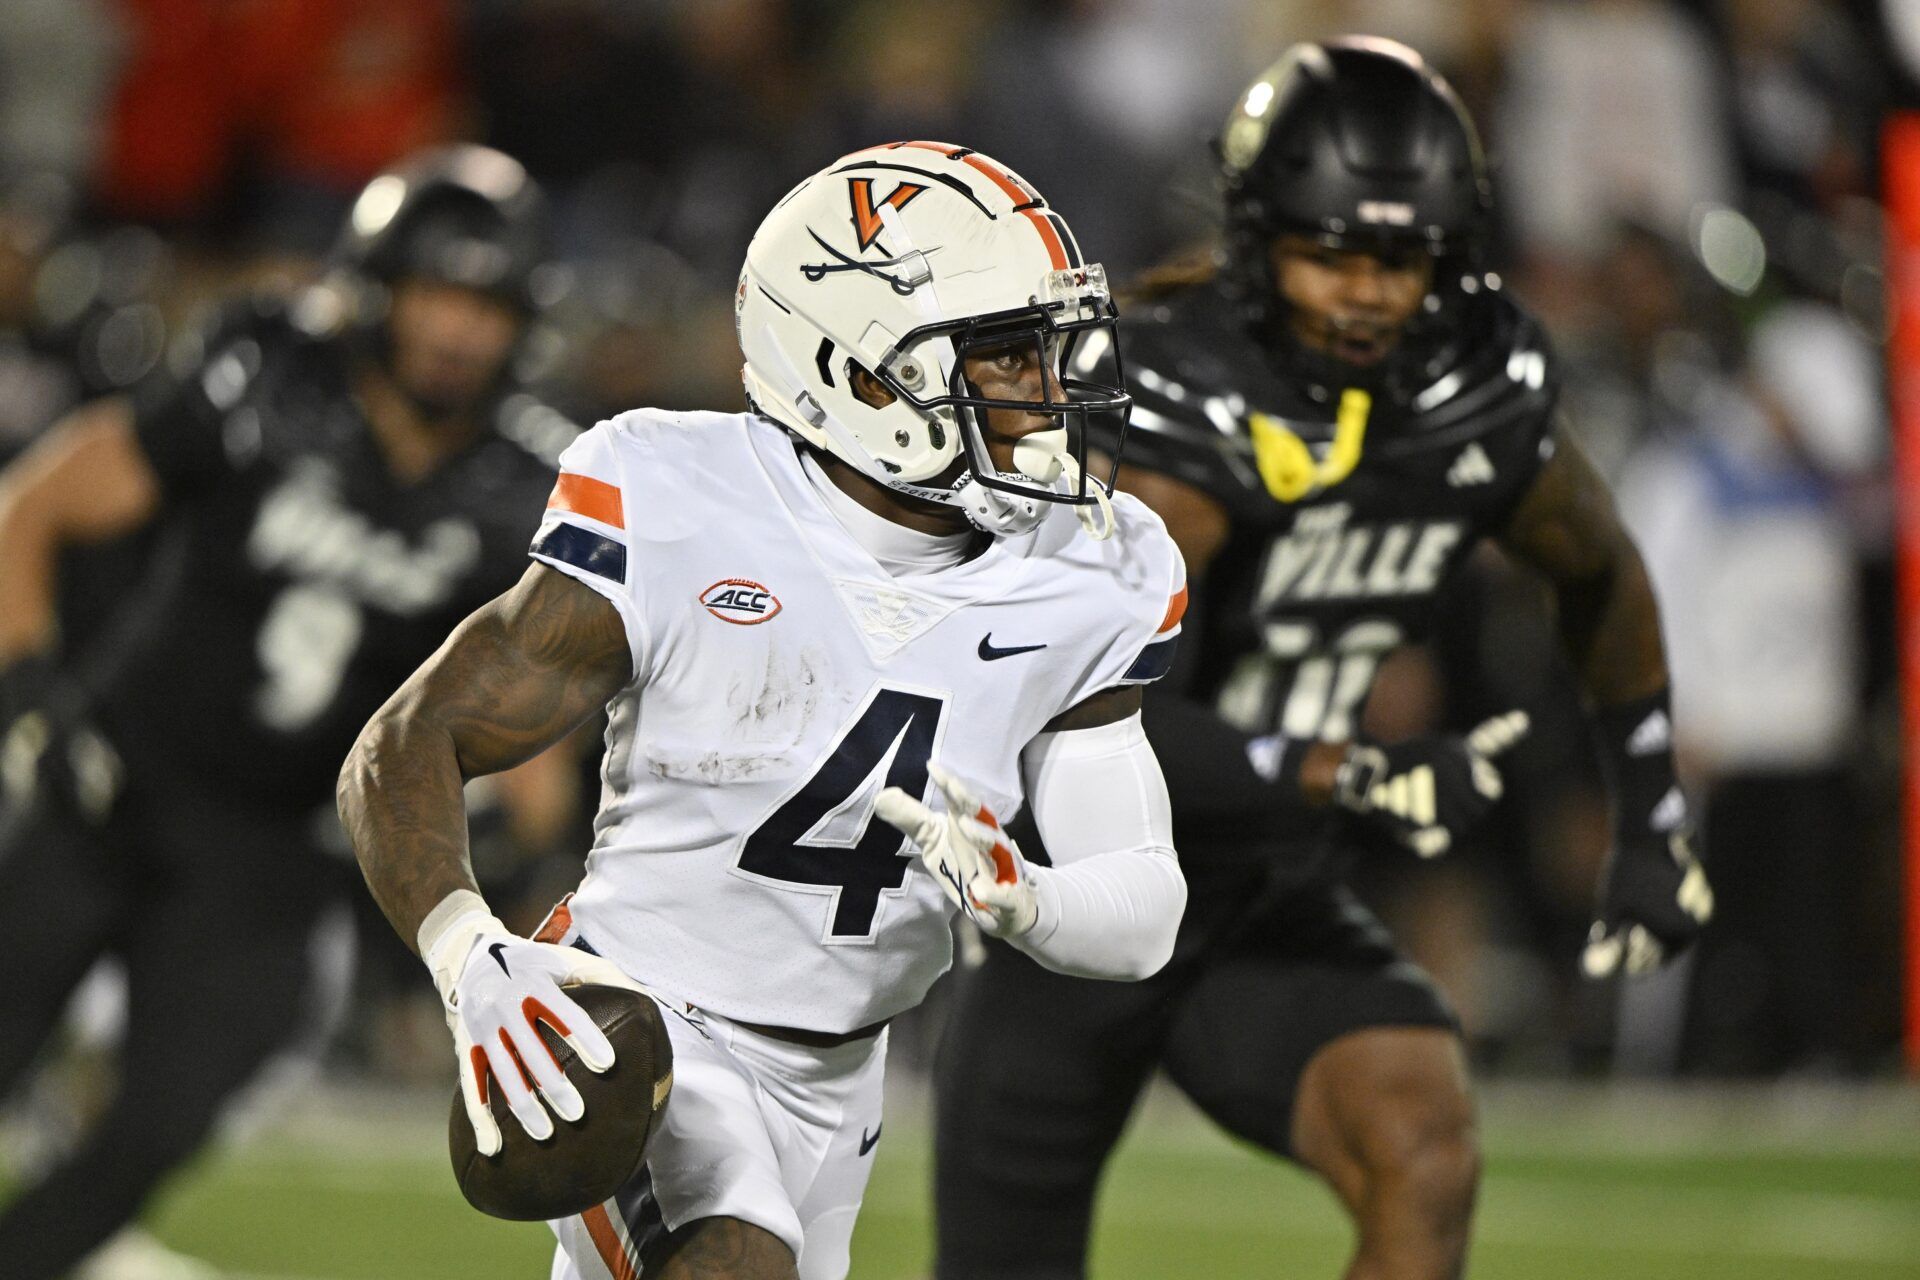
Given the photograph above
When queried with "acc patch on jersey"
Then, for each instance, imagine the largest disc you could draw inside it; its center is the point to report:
(740, 601)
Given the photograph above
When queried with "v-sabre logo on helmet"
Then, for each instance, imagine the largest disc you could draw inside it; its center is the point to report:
(866, 216)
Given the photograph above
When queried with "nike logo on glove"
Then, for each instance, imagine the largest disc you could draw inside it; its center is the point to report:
(498, 959)
(989, 653)
(866, 1143)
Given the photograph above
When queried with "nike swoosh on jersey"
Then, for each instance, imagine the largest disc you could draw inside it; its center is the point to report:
(866, 1143)
(989, 652)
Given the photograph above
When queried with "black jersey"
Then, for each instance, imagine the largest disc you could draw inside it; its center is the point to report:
(311, 582)
(1313, 589)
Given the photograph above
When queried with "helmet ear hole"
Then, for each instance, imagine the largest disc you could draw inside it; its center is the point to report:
(867, 388)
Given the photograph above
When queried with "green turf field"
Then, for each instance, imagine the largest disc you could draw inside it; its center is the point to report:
(1691, 1187)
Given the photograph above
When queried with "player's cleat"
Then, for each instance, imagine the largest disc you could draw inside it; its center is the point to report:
(584, 1161)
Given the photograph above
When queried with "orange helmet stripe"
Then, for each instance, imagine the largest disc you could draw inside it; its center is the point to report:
(1025, 199)
(1056, 250)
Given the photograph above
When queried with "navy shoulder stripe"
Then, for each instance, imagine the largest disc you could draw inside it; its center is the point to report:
(1154, 661)
(583, 549)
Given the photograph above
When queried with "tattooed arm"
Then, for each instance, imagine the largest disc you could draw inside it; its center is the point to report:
(514, 678)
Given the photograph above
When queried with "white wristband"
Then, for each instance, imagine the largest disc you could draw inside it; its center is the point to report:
(448, 934)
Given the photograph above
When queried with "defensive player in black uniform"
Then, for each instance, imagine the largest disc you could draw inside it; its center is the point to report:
(335, 473)
(1329, 421)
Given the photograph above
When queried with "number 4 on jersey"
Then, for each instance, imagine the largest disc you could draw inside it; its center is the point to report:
(824, 835)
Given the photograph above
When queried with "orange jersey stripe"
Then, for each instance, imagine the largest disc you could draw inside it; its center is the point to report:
(559, 920)
(606, 1242)
(1176, 609)
(594, 499)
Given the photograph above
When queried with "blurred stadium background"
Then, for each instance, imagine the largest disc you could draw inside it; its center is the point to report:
(1705, 201)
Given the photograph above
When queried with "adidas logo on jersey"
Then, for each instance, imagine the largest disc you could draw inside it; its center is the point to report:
(740, 601)
(1471, 467)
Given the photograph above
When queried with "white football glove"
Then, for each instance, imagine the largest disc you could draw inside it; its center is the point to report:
(497, 986)
(977, 864)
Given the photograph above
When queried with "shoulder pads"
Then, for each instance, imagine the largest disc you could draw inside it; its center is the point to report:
(253, 325)
(1499, 377)
(1197, 375)
(1193, 370)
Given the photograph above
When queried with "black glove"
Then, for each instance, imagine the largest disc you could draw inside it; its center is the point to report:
(1654, 897)
(1427, 792)
(47, 746)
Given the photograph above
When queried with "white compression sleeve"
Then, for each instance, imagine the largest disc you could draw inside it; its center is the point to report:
(1110, 904)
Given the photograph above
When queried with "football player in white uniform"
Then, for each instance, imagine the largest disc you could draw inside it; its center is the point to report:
(889, 591)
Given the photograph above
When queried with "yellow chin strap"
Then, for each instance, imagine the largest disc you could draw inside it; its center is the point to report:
(1288, 466)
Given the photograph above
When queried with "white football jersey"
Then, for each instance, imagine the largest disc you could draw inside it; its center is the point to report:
(782, 678)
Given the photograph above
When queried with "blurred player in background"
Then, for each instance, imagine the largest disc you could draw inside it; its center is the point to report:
(893, 582)
(78, 313)
(1329, 422)
(330, 470)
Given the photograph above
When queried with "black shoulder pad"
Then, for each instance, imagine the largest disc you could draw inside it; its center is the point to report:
(1503, 386)
(269, 322)
(1190, 368)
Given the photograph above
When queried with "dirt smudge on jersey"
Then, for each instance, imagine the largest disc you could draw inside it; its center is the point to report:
(768, 712)
(777, 703)
(714, 768)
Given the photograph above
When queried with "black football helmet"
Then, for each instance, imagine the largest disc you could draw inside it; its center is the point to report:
(465, 215)
(1360, 145)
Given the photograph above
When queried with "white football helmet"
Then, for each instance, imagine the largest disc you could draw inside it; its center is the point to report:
(899, 260)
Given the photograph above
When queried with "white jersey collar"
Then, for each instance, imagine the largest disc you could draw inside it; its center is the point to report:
(901, 551)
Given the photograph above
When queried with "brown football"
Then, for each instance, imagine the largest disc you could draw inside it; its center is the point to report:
(584, 1162)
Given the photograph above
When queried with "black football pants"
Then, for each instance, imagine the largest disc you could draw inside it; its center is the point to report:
(1037, 1072)
(210, 910)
